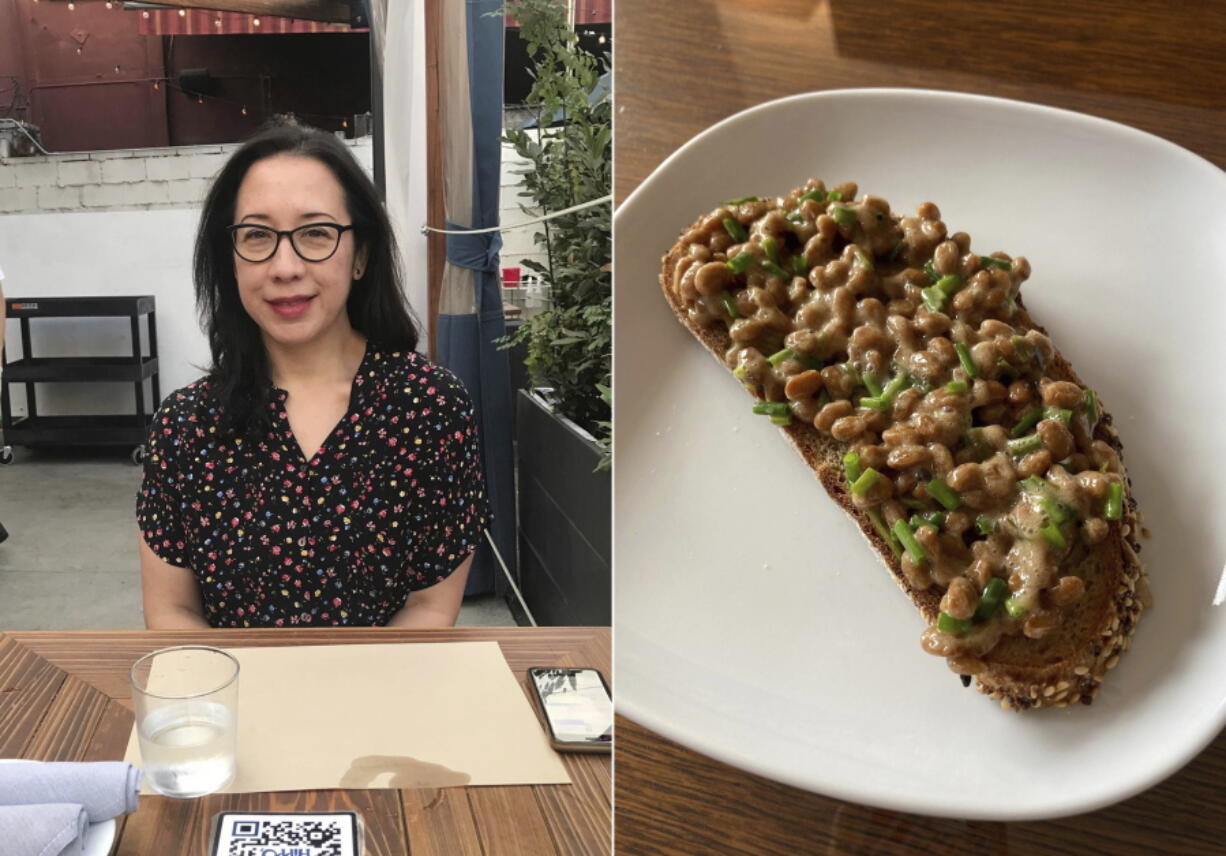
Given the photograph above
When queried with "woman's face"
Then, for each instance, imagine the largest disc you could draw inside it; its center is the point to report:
(295, 301)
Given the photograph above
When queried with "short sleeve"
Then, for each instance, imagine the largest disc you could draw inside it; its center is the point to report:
(452, 511)
(159, 504)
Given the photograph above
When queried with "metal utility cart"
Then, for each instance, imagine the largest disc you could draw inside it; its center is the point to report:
(34, 429)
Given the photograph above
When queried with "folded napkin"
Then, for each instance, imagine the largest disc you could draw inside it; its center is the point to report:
(42, 830)
(104, 788)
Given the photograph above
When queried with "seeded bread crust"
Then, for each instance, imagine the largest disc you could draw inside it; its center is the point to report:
(1067, 665)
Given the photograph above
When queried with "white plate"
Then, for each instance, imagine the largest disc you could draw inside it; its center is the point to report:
(753, 623)
(98, 836)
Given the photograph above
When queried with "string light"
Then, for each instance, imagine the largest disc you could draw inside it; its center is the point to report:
(146, 14)
(244, 111)
(117, 69)
(182, 13)
(72, 7)
(344, 123)
(199, 100)
(157, 84)
(602, 39)
(109, 4)
(217, 23)
(255, 21)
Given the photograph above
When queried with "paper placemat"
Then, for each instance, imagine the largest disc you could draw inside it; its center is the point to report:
(429, 714)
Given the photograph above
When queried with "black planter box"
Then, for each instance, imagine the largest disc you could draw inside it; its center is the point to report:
(565, 534)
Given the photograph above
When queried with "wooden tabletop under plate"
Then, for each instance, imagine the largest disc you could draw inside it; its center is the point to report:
(680, 68)
(64, 696)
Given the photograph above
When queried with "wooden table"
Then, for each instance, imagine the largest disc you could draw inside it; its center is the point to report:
(64, 696)
(682, 67)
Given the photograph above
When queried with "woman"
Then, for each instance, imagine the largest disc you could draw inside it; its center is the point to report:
(322, 470)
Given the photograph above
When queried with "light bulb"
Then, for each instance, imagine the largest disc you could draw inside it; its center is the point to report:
(255, 21)
(182, 13)
(244, 111)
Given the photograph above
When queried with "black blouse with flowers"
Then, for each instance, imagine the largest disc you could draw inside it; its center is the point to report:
(394, 500)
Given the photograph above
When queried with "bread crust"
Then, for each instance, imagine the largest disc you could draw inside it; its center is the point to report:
(1062, 668)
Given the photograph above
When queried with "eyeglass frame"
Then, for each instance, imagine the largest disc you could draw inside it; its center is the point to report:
(282, 233)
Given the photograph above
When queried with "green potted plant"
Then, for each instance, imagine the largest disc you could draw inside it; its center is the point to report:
(563, 427)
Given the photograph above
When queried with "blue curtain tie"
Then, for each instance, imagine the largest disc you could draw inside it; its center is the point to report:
(475, 252)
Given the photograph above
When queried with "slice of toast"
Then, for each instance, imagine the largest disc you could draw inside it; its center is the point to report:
(1024, 669)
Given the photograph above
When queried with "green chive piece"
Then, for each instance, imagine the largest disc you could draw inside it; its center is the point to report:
(914, 504)
(735, 230)
(935, 519)
(1056, 512)
(991, 599)
(1034, 484)
(895, 251)
(852, 467)
(949, 284)
(874, 403)
(865, 482)
(809, 362)
(729, 304)
(800, 267)
(1114, 507)
(823, 399)
(931, 272)
(1052, 535)
(779, 356)
(795, 218)
(944, 494)
(1015, 608)
(771, 408)
(1090, 401)
(1029, 419)
(835, 196)
(771, 247)
(990, 261)
(906, 537)
(740, 373)
(865, 261)
(964, 357)
(884, 531)
(843, 216)
(946, 623)
(742, 200)
(934, 298)
(986, 525)
(1059, 413)
(782, 420)
(741, 263)
(896, 385)
(816, 195)
(870, 381)
(958, 387)
(1025, 445)
(775, 270)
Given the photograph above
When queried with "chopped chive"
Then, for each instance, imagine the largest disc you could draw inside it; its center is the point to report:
(944, 494)
(1029, 419)
(771, 408)
(817, 195)
(949, 284)
(985, 525)
(1025, 445)
(989, 261)
(729, 304)
(1034, 484)
(964, 357)
(865, 482)
(735, 230)
(809, 362)
(742, 200)
(865, 261)
(884, 531)
(835, 196)
(800, 267)
(896, 385)
(870, 381)
(771, 247)
(957, 387)
(741, 262)
(843, 216)
(1065, 416)
(823, 399)
(779, 356)
(874, 403)
(946, 623)
(1114, 507)
(894, 252)
(990, 600)
(740, 373)
(795, 218)
(906, 537)
(914, 504)
(1052, 535)
(782, 420)
(931, 272)
(1056, 512)
(852, 467)
(1015, 608)
(774, 269)
(928, 518)
(934, 298)
(1090, 401)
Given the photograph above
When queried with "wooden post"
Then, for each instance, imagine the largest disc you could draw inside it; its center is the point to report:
(436, 209)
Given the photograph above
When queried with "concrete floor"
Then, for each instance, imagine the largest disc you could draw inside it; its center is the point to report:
(70, 562)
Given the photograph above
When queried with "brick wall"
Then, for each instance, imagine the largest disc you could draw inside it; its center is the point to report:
(119, 180)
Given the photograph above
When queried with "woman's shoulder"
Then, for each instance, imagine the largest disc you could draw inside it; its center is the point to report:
(197, 399)
(408, 373)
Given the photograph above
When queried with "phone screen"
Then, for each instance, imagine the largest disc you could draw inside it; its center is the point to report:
(576, 703)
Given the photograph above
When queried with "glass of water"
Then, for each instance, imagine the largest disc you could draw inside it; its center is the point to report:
(186, 700)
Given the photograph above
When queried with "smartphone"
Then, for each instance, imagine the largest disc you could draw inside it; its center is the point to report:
(577, 706)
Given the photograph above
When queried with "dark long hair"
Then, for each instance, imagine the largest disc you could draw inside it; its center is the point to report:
(377, 308)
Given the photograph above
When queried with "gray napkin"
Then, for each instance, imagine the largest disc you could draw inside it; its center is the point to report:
(104, 788)
(42, 830)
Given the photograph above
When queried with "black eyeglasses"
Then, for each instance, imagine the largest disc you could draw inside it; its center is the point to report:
(313, 242)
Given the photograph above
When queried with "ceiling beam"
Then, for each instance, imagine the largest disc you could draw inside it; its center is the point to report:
(327, 11)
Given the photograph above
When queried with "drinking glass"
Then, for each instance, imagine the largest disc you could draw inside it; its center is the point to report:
(186, 701)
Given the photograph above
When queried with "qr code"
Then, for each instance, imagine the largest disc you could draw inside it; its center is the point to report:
(286, 835)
